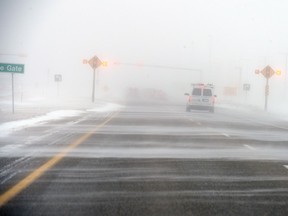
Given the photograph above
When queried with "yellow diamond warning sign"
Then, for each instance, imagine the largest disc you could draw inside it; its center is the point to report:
(95, 62)
(268, 72)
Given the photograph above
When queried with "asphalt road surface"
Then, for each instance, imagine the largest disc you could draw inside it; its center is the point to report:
(147, 160)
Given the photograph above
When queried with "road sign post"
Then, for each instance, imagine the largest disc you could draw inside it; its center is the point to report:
(12, 68)
(246, 88)
(13, 110)
(94, 62)
(267, 72)
(93, 85)
(58, 79)
(266, 94)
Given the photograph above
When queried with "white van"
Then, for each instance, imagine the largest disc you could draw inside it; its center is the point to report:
(201, 97)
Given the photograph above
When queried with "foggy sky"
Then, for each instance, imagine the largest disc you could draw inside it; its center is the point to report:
(217, 36)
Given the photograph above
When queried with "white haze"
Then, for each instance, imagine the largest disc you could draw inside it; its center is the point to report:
(225, 39)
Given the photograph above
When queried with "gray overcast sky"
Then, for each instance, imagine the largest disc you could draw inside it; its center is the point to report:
(186, 33)
(149, 29)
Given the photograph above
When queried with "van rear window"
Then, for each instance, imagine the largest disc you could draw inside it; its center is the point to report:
(207, 92)
(196, 91)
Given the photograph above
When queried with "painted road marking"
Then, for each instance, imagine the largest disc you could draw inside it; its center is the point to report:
(37, 173)
(286, 166)
(249, 147)
(264, 123)
(198, 123)
(225, 134)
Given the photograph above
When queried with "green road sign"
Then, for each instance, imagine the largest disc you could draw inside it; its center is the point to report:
(11, 68)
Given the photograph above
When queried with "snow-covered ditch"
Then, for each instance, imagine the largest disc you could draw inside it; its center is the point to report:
(8, 127)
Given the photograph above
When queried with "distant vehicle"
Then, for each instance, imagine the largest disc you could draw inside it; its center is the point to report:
(146, 94)
(202, 97)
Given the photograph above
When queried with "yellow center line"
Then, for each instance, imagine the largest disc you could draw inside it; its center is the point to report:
(37, 173)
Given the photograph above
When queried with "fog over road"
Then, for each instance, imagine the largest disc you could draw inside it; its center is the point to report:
(147, 159)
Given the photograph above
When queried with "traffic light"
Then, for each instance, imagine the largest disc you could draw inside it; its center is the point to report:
(104, 63)
(278, 72)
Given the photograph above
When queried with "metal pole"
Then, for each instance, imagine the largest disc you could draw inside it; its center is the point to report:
(97, 78)
(58, 89)
(286, 65)
(266, 94)
(97, 82)
(246, 93)
(12, 92)
(93, 88)
(286, 75)
(240, 78)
